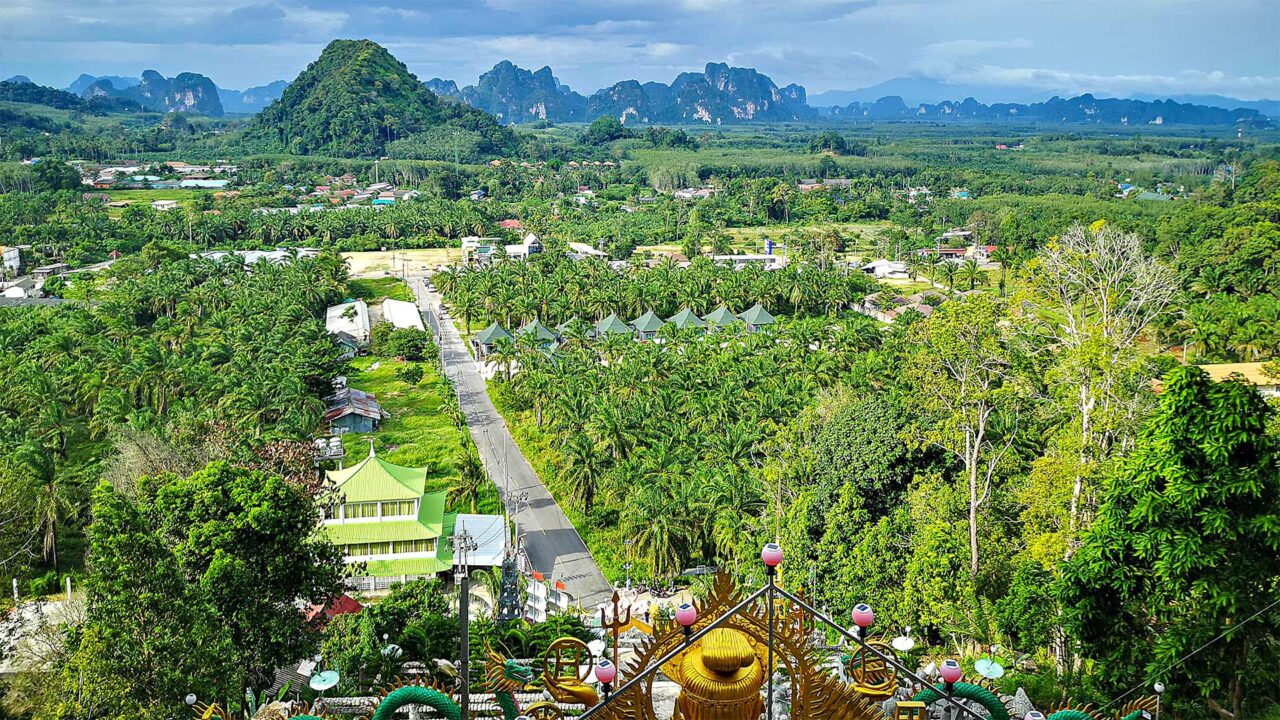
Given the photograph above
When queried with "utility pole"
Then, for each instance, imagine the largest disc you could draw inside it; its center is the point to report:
(462, 545)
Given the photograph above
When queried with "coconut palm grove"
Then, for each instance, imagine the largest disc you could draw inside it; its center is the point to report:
(363, 395)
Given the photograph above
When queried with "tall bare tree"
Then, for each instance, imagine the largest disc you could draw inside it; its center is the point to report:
(1097, 293)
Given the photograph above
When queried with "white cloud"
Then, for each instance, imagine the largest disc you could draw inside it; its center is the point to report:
(1249, 87)
(966, 48)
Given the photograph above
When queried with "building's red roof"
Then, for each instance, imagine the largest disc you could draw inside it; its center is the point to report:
(511, 225)
(341, 605)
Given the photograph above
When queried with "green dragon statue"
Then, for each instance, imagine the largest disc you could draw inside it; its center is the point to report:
(503, 679)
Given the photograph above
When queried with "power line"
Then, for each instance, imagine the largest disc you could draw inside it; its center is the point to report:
(1189, 655)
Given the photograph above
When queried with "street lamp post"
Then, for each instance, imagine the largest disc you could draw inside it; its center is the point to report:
(771, 556)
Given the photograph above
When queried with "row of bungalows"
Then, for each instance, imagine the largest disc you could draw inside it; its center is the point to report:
(643, 329)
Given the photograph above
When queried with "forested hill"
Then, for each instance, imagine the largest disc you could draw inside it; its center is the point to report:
(356, 99)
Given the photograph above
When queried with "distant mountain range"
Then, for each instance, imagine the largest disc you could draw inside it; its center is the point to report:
(917, 90)
(187, 92)
(723, 95)
(720, 94)
(1077, 110)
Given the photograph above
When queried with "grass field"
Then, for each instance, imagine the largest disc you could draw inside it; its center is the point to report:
(418, 433)
(859, 237)
(184, 196)
(375, 290)
(378, 263)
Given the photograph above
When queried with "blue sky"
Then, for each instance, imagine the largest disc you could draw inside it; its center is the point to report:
(1107, 46)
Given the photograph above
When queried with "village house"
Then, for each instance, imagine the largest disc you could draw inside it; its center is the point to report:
(529, 247)
(351, 317)
(351, 410)
(886, 269)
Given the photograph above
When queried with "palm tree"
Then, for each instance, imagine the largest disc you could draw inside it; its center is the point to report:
(471, 477)
(51, 502)
(504, 353)
(582, 470)
(972, 273)
(948, 270)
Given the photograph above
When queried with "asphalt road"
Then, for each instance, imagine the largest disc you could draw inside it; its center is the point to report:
(553, 546)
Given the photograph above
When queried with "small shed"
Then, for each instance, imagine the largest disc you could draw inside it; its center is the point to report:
(351, 410)
(484, 340)
(757, 318)
(350, 346)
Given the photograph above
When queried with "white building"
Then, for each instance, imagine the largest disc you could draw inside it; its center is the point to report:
(771, 262)
(351, 318)
(402, 314)
(530, 246)
(887, 269)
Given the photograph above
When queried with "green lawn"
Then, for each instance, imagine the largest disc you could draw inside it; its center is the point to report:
(418, 433)
(379, 289)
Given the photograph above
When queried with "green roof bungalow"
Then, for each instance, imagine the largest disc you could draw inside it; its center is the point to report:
(687, 319)
(647, 326)
(757, 318)
(483, 341)
(612, 326)
(541, 333)
(721, 317)
(387, 520)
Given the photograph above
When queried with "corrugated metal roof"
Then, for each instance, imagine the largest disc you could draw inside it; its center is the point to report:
(349, 400)
(376, 479)
(408, 566)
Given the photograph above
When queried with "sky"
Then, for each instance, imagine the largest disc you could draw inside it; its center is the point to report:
(1109, 47)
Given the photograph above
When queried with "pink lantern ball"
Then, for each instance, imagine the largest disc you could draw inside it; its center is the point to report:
(686, 615)
(771, 555)
(863, 615)
(951, 671)
(606, 671)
